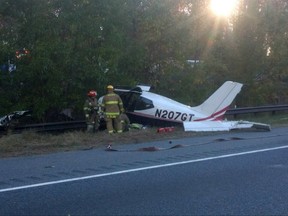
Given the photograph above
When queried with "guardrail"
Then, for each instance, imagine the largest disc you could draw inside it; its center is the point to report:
(48, 127)
(254, 110)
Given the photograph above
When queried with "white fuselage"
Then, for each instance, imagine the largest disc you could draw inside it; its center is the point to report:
(167, 109)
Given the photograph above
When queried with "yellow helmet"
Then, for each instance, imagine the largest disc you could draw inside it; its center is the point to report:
(110, 87)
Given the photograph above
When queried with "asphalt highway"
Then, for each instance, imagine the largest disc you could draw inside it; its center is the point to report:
(235, 173)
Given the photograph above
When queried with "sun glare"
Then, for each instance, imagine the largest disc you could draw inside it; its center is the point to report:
(223, 8)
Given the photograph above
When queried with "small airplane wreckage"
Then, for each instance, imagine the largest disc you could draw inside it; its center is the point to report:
(7, 120)
(147, 108)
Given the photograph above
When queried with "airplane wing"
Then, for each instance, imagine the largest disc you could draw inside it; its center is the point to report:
(223, 126)
(5, 120)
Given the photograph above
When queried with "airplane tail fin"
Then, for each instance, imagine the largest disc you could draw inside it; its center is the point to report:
(218, 103)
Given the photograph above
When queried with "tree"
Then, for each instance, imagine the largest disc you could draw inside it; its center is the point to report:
(78, 45)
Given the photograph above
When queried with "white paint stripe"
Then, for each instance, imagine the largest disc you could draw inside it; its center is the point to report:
(139, 169)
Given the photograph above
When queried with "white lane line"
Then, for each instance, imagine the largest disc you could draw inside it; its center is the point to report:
(138, 169)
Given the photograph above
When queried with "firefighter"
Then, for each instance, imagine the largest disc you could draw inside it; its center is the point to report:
(125, 122)
(91, 111)
(113, 107)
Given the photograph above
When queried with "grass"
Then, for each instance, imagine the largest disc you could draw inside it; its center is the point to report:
(31, 143)
(275, 120)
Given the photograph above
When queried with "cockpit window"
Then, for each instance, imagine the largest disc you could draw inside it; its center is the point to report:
(129, 100)
(143, 103)
(134, 101)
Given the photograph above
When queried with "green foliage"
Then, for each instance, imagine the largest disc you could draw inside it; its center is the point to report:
(78, 45)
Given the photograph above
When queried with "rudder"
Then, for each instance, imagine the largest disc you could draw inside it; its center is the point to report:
(218, 103)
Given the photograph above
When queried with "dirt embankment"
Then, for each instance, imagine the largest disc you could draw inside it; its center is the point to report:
(30, 143)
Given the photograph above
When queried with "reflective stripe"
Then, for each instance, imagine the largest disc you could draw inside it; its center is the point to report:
(112, 117)
(112, 113)
(111, 102)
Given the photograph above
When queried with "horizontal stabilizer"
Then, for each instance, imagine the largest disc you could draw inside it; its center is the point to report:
(223, 126)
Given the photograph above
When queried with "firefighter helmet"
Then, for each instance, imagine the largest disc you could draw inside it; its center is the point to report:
(110, 87)
(92, 93)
